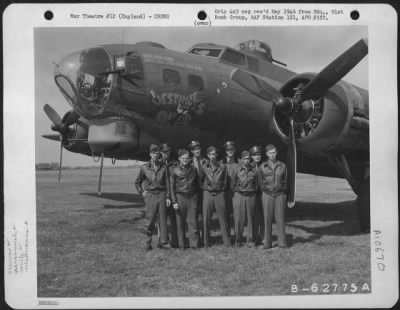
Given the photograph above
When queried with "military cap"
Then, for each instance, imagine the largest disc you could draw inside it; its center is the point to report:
(229, 145)
(154, 148)
(211, 149)
(244, 154)
(270, 147)
(182, 152)
(255, 150)
(193, 144)
(165, 147)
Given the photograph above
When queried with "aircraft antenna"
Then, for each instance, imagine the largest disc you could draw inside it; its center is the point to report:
(123, 36)
(279, 62)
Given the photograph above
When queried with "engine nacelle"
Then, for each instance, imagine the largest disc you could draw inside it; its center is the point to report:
(77, 136)
(112, 136)
(336, 122)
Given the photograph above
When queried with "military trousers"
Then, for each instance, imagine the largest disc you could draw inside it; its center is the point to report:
(211, 202)
(155, 210)
(243, 209)
(171, 216)
(274, 207)
(187, 214)
(199, 217)
(259, 219)
(229, 211)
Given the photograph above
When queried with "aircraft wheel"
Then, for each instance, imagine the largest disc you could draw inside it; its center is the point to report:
(363, 205)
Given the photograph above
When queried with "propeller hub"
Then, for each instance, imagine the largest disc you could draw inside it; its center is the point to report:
(284, 105)
(304, 111)
(56, 127)
(62, 125)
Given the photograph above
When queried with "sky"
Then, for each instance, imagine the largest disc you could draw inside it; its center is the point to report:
(302, 48)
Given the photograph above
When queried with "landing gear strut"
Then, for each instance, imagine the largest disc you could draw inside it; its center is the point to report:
(363, 204)
(100, 175)
(360, 187)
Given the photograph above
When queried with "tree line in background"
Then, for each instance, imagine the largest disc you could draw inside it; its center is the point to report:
(55, 166)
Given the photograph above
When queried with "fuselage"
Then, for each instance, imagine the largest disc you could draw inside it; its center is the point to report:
(178, 97)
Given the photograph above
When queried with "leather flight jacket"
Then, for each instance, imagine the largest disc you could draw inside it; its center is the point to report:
(198, 163)
(152, 178)
(272, 180)
(244, 180)
(213, 179)
(184, 181)
(231, 165)
(170, 165)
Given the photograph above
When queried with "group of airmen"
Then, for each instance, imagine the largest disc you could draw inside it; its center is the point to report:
(245, 192)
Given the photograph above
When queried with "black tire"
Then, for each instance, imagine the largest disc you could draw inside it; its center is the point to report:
(363, 205)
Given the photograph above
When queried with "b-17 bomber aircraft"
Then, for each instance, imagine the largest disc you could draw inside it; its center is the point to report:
(125, 97)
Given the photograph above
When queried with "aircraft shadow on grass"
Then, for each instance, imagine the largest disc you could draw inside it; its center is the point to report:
(134, 219)
(336, 219)
(136, 200)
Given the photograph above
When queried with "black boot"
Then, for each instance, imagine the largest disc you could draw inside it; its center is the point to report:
(148, 245)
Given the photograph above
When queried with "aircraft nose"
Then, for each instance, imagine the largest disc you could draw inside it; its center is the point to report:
(79, 78)
(65, 75)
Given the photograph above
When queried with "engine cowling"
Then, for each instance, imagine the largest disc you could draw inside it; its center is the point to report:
(76, 136)
(338, 121)
(112, 136)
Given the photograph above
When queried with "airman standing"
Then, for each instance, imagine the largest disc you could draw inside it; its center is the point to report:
(151, 183)
(231, 164)
(244, 186)
(197, 162)
(272, 179)
(184, 194)
(170, 212)
(255, 153)
(214, 177)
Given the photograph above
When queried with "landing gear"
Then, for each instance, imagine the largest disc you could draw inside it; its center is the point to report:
(100, 175)
(363, 204)
(360, 186)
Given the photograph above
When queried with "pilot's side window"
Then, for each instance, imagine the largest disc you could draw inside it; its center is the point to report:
(252, 64)
(195, 83)
(234, 57)
(171, 77)
(134, 67)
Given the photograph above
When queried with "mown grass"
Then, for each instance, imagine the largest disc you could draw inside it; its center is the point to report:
(91, 246)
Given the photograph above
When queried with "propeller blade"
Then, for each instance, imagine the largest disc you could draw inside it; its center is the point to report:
(334, 72)
(291, 166)
(70, 118)
(52, 115)
(60, 163)
(55, 137)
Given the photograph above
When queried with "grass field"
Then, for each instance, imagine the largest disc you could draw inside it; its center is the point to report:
(91, 246)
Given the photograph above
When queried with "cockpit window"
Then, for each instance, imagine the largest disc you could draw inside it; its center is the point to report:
(83, 78)
(134, 66)
(171, 77)
(66, 87)
(252, 64)
(93, 86)
(211, 52)
(234, 57)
